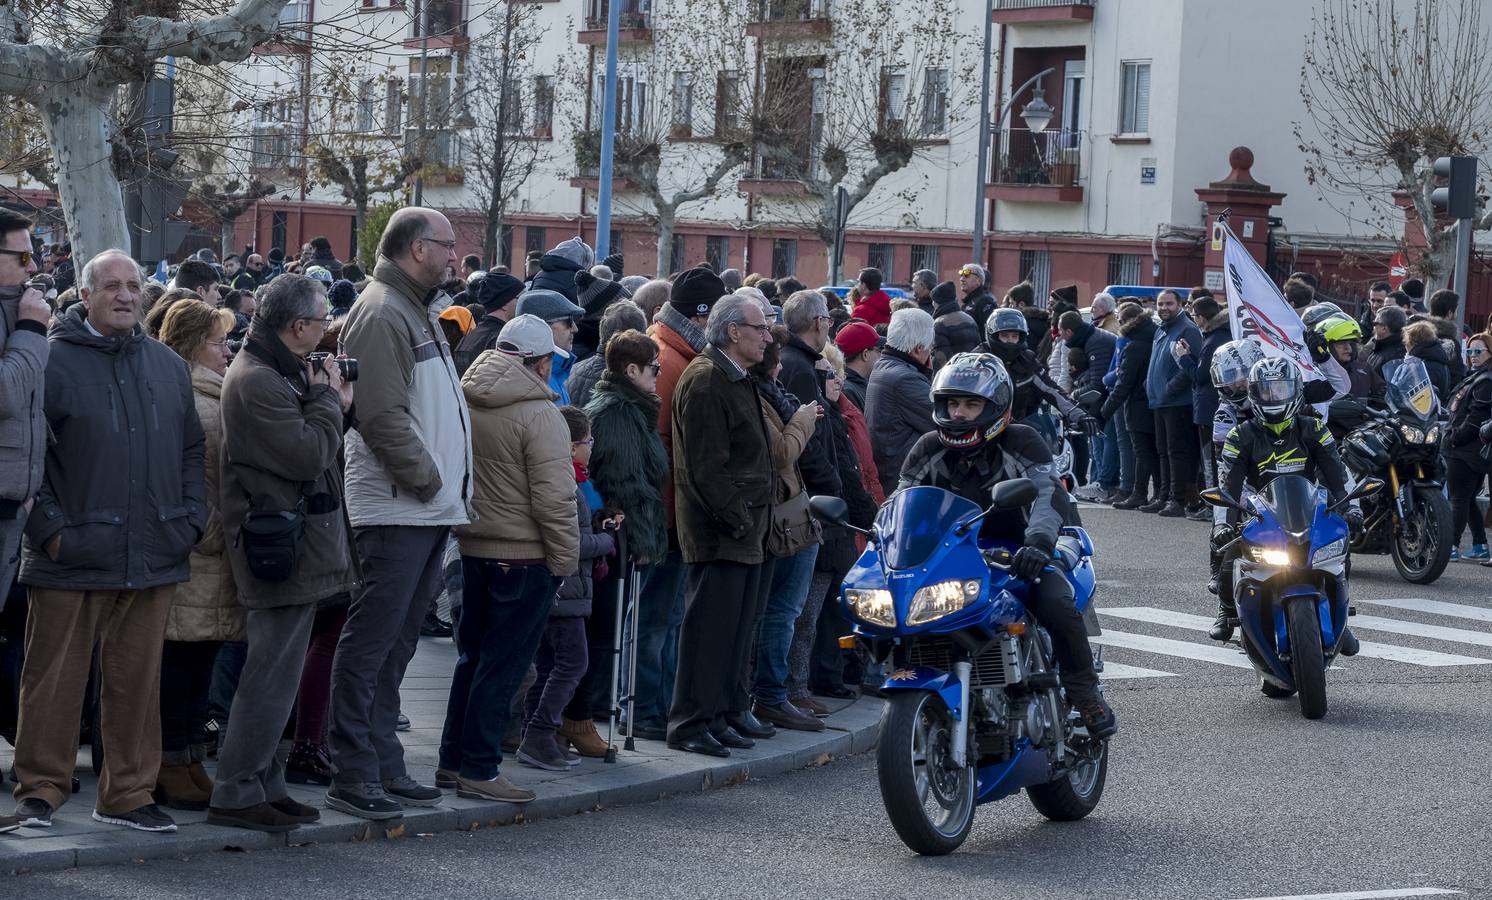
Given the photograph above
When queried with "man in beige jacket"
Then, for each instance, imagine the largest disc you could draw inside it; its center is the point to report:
(522, 540)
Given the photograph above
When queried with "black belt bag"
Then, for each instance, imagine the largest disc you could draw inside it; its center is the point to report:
(272, 540)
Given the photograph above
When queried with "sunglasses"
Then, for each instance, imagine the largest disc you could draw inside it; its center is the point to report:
(966, 272)
(22, 256)
(656, 367)
(1475, 352)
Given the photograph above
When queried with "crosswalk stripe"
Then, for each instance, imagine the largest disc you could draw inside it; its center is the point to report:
(1115, 671)
(1434, 607)
(1370, 649)
(1420, 629)
(1168, 647)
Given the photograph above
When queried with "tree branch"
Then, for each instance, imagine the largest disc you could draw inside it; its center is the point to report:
(230, 37)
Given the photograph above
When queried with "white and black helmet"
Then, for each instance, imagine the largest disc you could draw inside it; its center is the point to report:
(1275, 390)
(1231, 365)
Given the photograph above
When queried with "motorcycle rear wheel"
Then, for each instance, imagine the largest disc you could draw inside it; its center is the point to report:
(929, 801)
(1075, 793)
(1307, 659)
(1422, 555)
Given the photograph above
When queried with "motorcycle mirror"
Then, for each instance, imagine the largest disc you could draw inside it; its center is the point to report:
(829, 509)
(1365, 488)
(1013, 494)
(1219, 497)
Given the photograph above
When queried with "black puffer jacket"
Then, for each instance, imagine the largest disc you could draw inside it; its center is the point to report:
(557, 273)
(1382, 351)
(838, 550)
(954, 332)
(1129, 383)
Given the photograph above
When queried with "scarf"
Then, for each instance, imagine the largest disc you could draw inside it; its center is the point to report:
(683, 326)
(582, 474)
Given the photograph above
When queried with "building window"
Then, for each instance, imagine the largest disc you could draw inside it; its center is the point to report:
(1134, 102)
(613, 245)
(934, 100)
(681, 116)
(676, 254)
(881, 256)
(631, 102)
(505, 247)
(727, 103)
(784, 257)
(893, 98)
(1124, 268)
(533, 240)
(1036, 267)
(393, 104)
(925, 256)
(276, 135)
(279, 228)
(717, 252)
(366, 104)
(512, 108)
(544, 106)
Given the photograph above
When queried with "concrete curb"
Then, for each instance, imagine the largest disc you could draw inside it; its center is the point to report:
(648, 773)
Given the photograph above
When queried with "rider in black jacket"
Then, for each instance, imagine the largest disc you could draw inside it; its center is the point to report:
(1006, 338)
(1273, 441)
(974, 448)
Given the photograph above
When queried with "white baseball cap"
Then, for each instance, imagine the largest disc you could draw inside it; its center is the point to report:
(526, 337)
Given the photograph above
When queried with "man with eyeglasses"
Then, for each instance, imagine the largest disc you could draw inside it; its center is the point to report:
(974, 289)
(408, 482)
(23, 361)
(119, 509)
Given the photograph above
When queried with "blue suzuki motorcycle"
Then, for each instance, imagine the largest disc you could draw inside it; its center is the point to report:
(1290, 583)
(975, 710)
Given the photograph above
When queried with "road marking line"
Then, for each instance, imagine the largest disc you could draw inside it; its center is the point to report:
(1168, 647)
(1370, 649)
(1368, 895)
(1114, 671)
(1434, 607)
(1420, 629)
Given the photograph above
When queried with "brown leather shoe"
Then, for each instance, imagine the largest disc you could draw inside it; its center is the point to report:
(176, 789)
(296, 810)
(582, 736)
(499, 789)
(810, 706)
(200, 777)
(259, 817)
(786, 715)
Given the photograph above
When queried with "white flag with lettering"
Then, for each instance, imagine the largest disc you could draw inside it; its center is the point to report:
(1257, 309)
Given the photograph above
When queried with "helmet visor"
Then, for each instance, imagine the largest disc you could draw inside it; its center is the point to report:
(1275, 392)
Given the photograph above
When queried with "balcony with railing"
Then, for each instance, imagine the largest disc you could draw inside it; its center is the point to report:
(1042, 12)
(441, 25)
(1040, 167)
(779, 19)
(634, 22)
(441, 153)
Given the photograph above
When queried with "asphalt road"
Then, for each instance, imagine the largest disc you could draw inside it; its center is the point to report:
(1214, 790)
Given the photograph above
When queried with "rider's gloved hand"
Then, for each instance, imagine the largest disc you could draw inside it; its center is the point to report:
(1222, 533)
(1354, 518)
(1029, 561)
(1316, 342)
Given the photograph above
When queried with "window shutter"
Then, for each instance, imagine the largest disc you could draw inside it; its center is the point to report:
(1142, 99)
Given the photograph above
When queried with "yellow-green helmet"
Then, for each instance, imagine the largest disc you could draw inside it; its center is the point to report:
(1338, 327)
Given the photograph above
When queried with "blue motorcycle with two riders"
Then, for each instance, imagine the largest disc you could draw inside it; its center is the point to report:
(972, 591)
(1283, 541)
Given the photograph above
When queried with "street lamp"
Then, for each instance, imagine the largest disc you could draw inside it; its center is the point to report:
(1037, 115)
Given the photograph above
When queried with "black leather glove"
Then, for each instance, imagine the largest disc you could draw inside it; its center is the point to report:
(1354, 519)
(1222, 533)
(1029, 561)
(1315, 342)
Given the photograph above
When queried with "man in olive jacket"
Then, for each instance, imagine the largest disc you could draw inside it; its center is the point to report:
(282, 431)
(118, 512)
(723, 480)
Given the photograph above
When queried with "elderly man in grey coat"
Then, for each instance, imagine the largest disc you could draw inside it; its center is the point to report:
(898, 405)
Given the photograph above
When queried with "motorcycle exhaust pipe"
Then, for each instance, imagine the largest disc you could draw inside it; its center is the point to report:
(964, 669)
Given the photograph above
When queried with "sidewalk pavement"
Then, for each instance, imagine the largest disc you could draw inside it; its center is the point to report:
(647, 773)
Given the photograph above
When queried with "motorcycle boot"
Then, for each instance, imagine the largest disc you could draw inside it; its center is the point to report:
(1095, 712)
(1222, 626)
(1350, 644)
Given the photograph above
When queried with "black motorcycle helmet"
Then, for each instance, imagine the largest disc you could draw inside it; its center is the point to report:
(1275, 390)
(1006, 319)
(972, 375)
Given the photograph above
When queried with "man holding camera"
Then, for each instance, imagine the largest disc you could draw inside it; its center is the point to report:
(287, 532)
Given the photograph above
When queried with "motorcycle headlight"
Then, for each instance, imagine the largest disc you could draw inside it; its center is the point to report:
(1433, 434)
(1269, 557)
(938, 600)
(872, 606)
(1334, 550)
(1411, 434)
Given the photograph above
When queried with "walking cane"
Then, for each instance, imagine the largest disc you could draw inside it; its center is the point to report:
(634, 579)
(616, 645)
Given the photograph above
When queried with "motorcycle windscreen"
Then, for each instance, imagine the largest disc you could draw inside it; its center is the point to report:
(914, 522)
(1292, 501)
(1409, 388)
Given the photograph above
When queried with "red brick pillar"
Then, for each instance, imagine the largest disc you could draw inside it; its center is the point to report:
(1249, 203)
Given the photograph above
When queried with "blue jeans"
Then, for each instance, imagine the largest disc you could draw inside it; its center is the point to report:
(659, 617)
(1106, 456)
(1126, 450)
(790, 582)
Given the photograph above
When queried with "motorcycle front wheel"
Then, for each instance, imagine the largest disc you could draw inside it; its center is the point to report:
(1421, 545)
(929, 800)
(1076, 792)
(1307, 659)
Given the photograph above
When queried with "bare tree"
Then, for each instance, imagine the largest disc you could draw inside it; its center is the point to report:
(872, 94)
(227, 198)
(1387, 89)
(349, 148)
(69, 59)
(511, 106)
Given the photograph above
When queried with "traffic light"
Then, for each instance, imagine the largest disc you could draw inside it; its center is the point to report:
(1458, 197)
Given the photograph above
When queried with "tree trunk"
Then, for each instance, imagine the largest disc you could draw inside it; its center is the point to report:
(664, 230)
(225, 236)
(76, 119)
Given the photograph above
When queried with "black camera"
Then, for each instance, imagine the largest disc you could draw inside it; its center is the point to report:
(348, 366)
